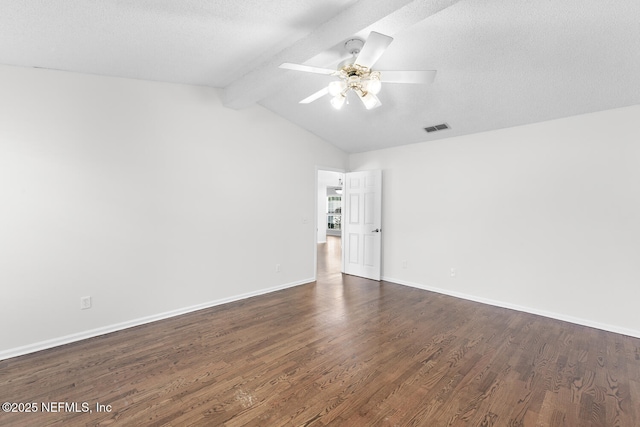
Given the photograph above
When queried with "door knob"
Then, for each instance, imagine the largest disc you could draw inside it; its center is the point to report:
(377, 230)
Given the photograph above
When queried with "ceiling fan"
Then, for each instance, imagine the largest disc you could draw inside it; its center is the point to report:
(355, 74)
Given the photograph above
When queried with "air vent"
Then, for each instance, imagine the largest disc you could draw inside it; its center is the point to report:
(436, 128)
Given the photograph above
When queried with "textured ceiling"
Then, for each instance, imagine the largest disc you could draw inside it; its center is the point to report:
(500, 63)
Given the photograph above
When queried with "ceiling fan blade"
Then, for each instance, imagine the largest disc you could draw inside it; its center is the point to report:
(417, 77)
(373, 49)
(318, 94)
(307, 68)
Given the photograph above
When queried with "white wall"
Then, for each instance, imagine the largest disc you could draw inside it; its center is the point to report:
(543, 218)
(151, 198)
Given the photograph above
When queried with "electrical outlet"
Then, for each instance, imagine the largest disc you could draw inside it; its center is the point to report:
(278, 269)
(85, 303)
(404, 263)
(453, 272)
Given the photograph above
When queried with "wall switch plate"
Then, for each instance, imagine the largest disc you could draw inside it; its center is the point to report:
(85, 303)
(404, 263)
(453, 272)
(278, 269)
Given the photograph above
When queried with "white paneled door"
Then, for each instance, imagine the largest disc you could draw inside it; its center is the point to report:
(361, 218)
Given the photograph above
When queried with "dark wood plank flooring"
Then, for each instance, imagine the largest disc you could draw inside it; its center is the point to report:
(343, 351)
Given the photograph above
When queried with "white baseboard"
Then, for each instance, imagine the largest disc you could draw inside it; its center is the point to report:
(531, 310)
(55, 342)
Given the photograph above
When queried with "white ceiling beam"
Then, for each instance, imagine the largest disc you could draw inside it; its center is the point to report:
(390, 15)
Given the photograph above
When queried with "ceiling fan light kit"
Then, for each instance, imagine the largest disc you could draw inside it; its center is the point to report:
(356, 75)
(358, 79)
(338, 101)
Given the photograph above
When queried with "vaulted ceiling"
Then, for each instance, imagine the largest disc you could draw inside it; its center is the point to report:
(500, 63)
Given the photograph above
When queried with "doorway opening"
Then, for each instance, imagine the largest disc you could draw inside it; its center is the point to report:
(329, 223)
(330, 258)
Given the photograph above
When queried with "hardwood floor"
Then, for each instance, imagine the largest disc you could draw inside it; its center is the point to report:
(343, 351)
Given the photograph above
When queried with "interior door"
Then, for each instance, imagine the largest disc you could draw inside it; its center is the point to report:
(362, 234)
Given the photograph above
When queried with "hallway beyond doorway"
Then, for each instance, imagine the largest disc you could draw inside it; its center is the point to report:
(330, 258)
